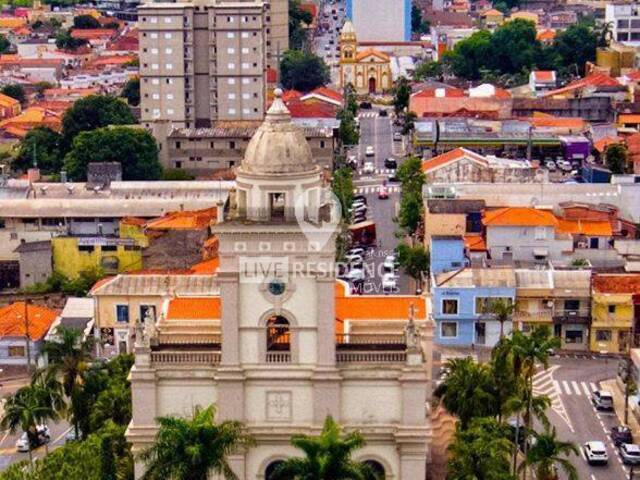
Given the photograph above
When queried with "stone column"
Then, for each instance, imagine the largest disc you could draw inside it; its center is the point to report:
(228, 282)
(413, 461)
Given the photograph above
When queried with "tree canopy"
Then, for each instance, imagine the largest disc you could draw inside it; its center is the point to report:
(64, 41)
(303, 71)
(131, 91)
(94, 111)
(298, 20)
(41, 145)
(4, 44)
(14, 90)
(134, 148)
(85, 22)
(616, 158)
(418, 23)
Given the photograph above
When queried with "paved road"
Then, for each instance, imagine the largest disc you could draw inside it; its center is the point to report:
(9, 455)
(569, 383)
(325, 41)
(377, 132)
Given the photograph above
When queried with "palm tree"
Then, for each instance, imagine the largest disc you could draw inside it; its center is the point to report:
(502, 311)
(481, 451)
(50, 394)
(546, 453)
(466, 392)
(327, 457)
(26, 409)
(189, 449)
(528, 350)
(69, 356)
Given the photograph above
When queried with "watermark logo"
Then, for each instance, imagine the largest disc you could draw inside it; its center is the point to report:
(319, 213)
(259, 269)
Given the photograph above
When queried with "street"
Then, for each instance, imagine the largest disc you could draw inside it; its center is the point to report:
(9, 455)
(325, 37)
(568, 383)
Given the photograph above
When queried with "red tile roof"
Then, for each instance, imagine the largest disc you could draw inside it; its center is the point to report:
(616, 283)
(327, 92)
(475, 243)
(38, 320)
(602, 144)
(448, 92)
(544, 75)
(586, 227)
(188, 220)
(93, 33)
(451, 156)
(194, 308)
(208, 266)
(593, 80)
(519, 216)
(301, 109)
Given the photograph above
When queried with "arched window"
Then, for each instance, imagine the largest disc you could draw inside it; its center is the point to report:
(271, 468)
(278, 334)
(377, 468)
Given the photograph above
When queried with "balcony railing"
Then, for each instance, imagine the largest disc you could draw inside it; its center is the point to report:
(370, 341)
(541, 315)
(189, 339)
(278, 357)
(371, 357)
(193, 358)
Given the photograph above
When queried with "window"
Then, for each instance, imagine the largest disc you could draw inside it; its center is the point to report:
(155, 81)
(231, 96)
(169, 96)
(122, 313)
(611, 309)
(85, 248)
(153, 20)
(246, 111)
(245, 50)
(245, 81)
(156, 112)
(246, 96)
(540, 233)
(2, 224)
(572, 304)
(46, 222)
(231, 50)
(573, 336)
(232, 145)
(109, 248)
(231, 81)
(147, 312)
(170, 111)
(168, 51)
(153, 35)
(603, 335)
(245, 19)
(483, 304)
(230, 19)
(16, 351)
(167, 36)
(449, 329)
(245, 65)
(156, 96)
(155, 66)
(231, 35)
(450, 306)
(593, 243)
(232, 111)
(167, 19)
(178, 144)
(321, 143)
(169, 66)
(623, 23)
(231, 66)
(154, 51)
(169, 81)
(245, 34)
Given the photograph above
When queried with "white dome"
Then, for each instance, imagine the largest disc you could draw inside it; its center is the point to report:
(278, 146)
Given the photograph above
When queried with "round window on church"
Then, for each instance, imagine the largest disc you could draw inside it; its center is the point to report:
(276, 287)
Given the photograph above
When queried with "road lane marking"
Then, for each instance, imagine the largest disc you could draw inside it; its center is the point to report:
(585, 387)
(4, 437)
(62, 435)
(574, 384)
(593, 386)
(545, 384)
(566, 387)
(583, 455)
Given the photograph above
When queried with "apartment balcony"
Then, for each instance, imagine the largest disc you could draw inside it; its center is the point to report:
(582, 315)
(185, 358)
(540, 316)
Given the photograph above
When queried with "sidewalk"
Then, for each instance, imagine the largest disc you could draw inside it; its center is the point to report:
(616, 388)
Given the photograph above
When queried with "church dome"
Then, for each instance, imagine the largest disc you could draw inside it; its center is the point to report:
(278, 146)
(348, 28)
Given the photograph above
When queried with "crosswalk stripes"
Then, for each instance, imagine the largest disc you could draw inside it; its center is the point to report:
(545, 384)
(374, 189)
(377, 171)
(368, 115)
(577, 388)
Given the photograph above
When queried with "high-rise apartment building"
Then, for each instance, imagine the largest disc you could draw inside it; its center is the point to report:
(205, 61)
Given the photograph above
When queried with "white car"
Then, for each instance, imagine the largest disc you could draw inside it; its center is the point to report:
(369, 151)
(630, 453)
(368, 168)
(44, 436)
(353, 258)
(551, 165)
(356, 251)
(596, 453)
(355, 274)
(389, 263)
(397, 136)
(602, 400)
(389, 282)
(564, 165)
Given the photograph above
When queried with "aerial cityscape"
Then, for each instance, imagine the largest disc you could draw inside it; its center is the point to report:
(320, 240)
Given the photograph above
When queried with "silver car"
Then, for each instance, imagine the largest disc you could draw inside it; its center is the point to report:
(630, 453)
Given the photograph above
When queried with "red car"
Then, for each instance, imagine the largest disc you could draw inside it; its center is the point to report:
(383, 194)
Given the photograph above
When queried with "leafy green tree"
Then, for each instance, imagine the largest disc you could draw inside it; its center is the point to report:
(616, 158)
(350, 99)
(428, 70)
(470, 55)
(113, 403)
(412, 179)
(576, 46)
(401, 94)
(342, 185)
(418, 24)
(131, 91)
(303, 71)
(546, 453)
(24, 410)
(4, 44)
(40, 146)
(501, 310)
(94, 111)
(513, 47)
(65, 41)
(134, 148)
(298, 19)
(480, 452)
(15, 91)
(85, 22)
(192, 449)
(348, 130)
(327, 456)
(176, 174)
(414, 260)
(466, 391)
(408, 123)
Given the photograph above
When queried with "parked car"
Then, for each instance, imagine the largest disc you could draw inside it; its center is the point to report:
(360, 198)
(389, 263)
(355, 274)
(383, 193)
(356, 251)
(368, 168)
(369, 151)
(358, 217)
(390, 163)
(602, 400)
(393, 176)
(43, 436)
(353, 257)
(621, 434)
(389, 283)
(595, 453)
(630, 453)
(551, 165)
(384, 113)
(564, 165)
(397, 136)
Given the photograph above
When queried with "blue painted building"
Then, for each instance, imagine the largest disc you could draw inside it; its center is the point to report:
(447, 253)
(460, 303)
(380, 20)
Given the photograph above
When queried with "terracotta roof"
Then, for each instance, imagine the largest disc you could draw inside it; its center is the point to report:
(327, 92)
(112, 60)
(519, 216)
(289, 95)
(190, 220)
(602, 144)
(633, 75)
(593, 80)
(475, 243)
(550, 121)
(448, 92)
(312, 8)
(12, 22)
(12, 321)
(299, 109)
(544, 75)
(451, 156)
(208, 266)
(7, 101)
(133, 221)
(382, 307)
(193, 308)
(372, 52)
(585, 227)
(93, 33)
(616, 283)
(629, 118)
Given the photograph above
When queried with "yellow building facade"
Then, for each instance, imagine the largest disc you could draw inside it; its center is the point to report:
(369, 71)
